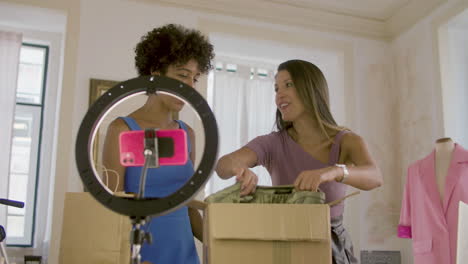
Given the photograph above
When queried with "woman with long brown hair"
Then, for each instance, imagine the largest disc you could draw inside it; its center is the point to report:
(309, 150)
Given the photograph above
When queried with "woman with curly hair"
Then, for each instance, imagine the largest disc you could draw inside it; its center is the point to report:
(183, 54)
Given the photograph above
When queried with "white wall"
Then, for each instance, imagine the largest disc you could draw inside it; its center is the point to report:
(419, 107)
(375, 119)
(455, 84)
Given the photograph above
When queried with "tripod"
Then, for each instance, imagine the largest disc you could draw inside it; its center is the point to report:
(2, 230)
(138, 236)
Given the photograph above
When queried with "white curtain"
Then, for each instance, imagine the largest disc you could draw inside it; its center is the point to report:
(10, 46)
(243, 104)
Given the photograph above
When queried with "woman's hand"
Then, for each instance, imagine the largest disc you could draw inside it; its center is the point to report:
(311, 179)
(248, 180)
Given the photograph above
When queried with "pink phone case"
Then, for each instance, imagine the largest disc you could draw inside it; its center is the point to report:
(132, 147)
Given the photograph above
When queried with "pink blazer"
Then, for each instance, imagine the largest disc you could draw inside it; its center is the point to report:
(429, 221)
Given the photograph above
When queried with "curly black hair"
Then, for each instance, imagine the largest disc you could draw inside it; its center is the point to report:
(172, 44)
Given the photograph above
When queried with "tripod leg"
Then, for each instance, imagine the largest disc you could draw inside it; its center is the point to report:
(3, 251)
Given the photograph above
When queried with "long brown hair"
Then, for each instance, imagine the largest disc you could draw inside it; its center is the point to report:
(312, 90)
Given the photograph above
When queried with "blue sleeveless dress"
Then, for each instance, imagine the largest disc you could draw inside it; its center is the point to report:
(172, 235)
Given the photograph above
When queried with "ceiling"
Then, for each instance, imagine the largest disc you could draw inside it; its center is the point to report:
(381, 19)
(371, 9)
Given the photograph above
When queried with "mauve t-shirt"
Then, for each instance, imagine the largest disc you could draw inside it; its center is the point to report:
(285, 160)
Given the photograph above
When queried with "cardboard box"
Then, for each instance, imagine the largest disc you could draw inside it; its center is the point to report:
(93, 234)
(267, 233)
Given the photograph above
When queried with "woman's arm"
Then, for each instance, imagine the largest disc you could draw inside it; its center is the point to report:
(230, 164)
(110, 156)
(196, 222)
(364, 173)
(237, 164)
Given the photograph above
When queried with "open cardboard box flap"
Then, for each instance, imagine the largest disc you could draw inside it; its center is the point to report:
(275, 222)
(201, 205)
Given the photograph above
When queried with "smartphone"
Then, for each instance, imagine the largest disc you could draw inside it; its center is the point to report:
(172, 147)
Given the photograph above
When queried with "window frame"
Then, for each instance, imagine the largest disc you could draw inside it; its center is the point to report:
(28, 239)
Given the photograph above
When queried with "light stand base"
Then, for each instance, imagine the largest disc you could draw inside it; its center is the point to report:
(138, 236)
(4, 253)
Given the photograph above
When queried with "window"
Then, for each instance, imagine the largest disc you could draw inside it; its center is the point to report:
(243, 101)
(26, 143)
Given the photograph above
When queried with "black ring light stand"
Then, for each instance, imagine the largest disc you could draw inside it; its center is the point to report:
(140, 209)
